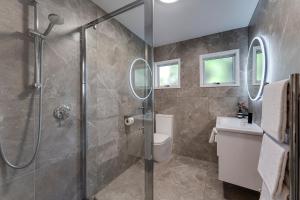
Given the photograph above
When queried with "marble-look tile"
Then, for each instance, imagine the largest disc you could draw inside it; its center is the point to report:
(18, 152)
(107, 103)
(278, 23)
(111, 48)
(196, 108)
(181, 178)
(222, 106)
(19, 100)
(127, 186)
(108, 130)
(21, 188)
(59, 180)
(59, 139)
(92, 171)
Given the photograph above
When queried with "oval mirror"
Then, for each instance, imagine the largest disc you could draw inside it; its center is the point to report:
(140, 78)
(256, 69)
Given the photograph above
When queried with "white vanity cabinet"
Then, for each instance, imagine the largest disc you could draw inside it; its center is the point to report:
(238, 149)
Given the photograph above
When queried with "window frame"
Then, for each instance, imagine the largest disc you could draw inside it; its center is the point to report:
(157, 65)
(222, 54)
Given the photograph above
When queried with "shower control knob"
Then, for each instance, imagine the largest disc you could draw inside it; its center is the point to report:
(62, 112)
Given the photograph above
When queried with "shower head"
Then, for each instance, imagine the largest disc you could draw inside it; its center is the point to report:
(54, 20)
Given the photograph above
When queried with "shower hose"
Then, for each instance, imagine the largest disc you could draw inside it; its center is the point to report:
(38, 56)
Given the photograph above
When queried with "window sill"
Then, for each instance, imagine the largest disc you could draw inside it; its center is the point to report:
(221, 85)
(161, 88)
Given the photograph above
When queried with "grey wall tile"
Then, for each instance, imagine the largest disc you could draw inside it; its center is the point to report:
(110, 49)
(21, 188)
(60, 180)
(278, 23)
(196, 108)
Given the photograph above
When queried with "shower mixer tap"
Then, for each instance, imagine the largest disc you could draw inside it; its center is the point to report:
(62, 112)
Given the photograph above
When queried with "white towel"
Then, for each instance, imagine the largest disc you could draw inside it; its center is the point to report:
(272, 164)
(213, 136)
(274, 110)
(265, 194)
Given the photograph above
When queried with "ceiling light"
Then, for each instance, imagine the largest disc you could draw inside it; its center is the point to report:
(168, 1)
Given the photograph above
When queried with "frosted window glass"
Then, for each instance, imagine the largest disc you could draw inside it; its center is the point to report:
(139, 77)
(168, 75)
(219, 70)
(259, 64)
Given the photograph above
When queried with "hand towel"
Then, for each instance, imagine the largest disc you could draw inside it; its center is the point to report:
(274, 110)
(265, 194)
(272, 164)
(213, 136)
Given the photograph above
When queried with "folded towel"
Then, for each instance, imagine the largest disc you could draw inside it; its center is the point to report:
(272, 164)
(213, 136)
(274, 110)
(265, 194)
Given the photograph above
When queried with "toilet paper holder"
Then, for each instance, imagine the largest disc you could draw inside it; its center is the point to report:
(128, 120)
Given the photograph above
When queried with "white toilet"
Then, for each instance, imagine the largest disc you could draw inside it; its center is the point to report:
(163, 138)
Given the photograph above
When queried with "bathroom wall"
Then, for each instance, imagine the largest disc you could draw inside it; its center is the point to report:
(56, 172)
(112, 146)
(278, 22)
(196, 108)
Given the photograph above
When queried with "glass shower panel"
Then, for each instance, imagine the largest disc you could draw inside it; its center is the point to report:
(116, 152)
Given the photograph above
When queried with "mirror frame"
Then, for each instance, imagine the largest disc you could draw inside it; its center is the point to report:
(130, 79)
(265, 68)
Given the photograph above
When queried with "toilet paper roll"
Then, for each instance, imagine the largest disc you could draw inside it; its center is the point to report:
(129, 121)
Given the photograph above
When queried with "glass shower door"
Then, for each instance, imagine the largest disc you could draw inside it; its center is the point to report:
(119, 90)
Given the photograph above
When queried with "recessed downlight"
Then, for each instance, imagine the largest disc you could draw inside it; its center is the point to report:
(168, 1)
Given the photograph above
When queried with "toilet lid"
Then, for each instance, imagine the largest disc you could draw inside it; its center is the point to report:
(160, 138)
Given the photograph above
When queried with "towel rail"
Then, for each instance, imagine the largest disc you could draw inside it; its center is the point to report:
(294, 99)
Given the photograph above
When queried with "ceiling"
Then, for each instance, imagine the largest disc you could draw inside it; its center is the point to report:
(185, 19)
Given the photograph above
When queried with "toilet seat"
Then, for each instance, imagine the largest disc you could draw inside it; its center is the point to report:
(160, 138)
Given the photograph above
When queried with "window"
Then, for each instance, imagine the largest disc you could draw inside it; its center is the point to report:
(220, 69)
(140, 78)
(257, 65)
(167, 74)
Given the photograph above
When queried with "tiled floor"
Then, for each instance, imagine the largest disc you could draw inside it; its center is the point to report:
(182, 178)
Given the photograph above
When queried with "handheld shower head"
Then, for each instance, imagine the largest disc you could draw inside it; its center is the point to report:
(54, 20)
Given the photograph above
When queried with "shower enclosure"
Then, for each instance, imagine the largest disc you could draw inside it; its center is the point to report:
(116, 84)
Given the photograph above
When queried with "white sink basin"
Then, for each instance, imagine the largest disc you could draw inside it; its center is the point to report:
(232, 124)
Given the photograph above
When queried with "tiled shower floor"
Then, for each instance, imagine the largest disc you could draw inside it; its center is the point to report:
(182, 178)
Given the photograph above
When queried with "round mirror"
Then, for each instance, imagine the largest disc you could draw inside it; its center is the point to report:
(256, 69)
(140, 78)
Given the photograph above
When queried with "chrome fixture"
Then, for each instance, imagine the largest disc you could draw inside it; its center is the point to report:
(294, 136)
(168, 1)
(39, 38)
(114, 14)
(54, 20)
(62, 112)
(38, 51)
